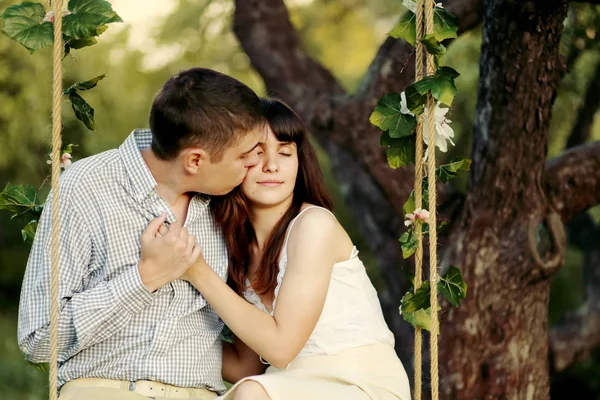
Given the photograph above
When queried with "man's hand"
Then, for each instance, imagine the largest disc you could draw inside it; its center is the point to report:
(166, 257)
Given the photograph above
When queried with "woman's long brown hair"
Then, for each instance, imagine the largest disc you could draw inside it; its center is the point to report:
(232, 214)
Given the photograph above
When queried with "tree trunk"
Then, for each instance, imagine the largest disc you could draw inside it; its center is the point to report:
(509, 241)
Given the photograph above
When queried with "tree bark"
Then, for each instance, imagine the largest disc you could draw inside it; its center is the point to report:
(492, 344)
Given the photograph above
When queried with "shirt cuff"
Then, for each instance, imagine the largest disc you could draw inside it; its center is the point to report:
(130, 291)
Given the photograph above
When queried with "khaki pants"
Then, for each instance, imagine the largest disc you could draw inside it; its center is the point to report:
(108, 389)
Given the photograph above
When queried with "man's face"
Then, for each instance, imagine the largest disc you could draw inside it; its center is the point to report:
(219, 178)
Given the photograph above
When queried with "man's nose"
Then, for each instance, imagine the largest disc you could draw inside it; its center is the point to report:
(252, 159)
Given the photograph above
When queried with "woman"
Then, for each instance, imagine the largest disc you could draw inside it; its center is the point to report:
(314, 314)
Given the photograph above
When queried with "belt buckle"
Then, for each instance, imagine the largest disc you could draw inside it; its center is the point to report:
(132, 386)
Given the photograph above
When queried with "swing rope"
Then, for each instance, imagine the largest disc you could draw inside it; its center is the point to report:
(419, 197)
(433, 278)
(56, 159)
(425, 11)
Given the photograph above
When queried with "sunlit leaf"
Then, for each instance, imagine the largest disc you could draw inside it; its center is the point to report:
(88, 17)
(441, 85)
(408, 242)
(406, 28)
(445, 24)
(25, 24)
(419, 318)
(399, 151)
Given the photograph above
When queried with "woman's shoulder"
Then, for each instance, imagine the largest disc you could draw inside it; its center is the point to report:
(312, 216)
(318, 226)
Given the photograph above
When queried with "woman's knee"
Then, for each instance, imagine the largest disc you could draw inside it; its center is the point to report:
(251, 390)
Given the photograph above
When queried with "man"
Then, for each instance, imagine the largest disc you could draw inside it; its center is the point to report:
(128, 328)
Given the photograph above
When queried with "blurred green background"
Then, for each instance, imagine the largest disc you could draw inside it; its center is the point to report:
(159, 38)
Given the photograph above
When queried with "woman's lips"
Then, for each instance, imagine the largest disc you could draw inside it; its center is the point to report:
(270, 183)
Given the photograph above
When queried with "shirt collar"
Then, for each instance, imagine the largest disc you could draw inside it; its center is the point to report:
(142, 181)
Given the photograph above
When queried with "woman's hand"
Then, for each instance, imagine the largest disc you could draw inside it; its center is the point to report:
(196, 269)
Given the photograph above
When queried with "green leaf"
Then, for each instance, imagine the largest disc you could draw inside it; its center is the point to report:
(447, 172)
(445, 24)
(83, 111)
(432, 45)
(419, 300)
(28, 232)
(406, 28)
(419, 319)
(415, 101)
(86, 85)
(88, 18)
(409, 206)
(387, 116)
(416, 307)
(453, 286)
(68, 148)
(44, 367)
(441, 85)
(25, 24)
(408, 243)
(21, 200)
(399, 157)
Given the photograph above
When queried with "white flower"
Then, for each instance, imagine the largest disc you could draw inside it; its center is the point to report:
(404, 105)
(50, 16)
(444, 133)
(411, 5)
(65, 160)
(418, 215)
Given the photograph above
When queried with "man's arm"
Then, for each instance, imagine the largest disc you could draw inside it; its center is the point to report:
(90, 315)
(86, 315)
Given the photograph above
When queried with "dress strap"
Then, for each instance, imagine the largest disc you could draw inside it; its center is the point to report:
(294, 220)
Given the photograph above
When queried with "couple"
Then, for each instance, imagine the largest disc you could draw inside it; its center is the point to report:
(145, 256)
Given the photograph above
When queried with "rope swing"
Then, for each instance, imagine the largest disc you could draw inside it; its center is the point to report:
(57, 55)
(425, 12)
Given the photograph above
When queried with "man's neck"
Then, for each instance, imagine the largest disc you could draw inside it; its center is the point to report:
(169, 184)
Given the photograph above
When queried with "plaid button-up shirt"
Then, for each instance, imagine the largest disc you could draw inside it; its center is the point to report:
(110, 325)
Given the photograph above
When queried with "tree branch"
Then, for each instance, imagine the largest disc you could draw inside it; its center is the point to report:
(585, 116)
(268, 37)
(572, 180)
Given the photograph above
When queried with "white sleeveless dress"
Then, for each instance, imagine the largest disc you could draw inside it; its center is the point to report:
(349, 355)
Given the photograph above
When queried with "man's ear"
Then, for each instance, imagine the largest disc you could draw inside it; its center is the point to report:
(193, 158)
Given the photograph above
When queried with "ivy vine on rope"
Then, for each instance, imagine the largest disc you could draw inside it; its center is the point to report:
(396, 115)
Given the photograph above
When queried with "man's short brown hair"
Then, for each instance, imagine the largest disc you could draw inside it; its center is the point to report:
(204, 108)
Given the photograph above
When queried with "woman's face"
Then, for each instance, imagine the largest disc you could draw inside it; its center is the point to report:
(271, 182)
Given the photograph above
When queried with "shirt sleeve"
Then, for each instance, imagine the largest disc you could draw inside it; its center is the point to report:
(87, 315)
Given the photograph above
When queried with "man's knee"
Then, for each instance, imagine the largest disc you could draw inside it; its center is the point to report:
(251, 390)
